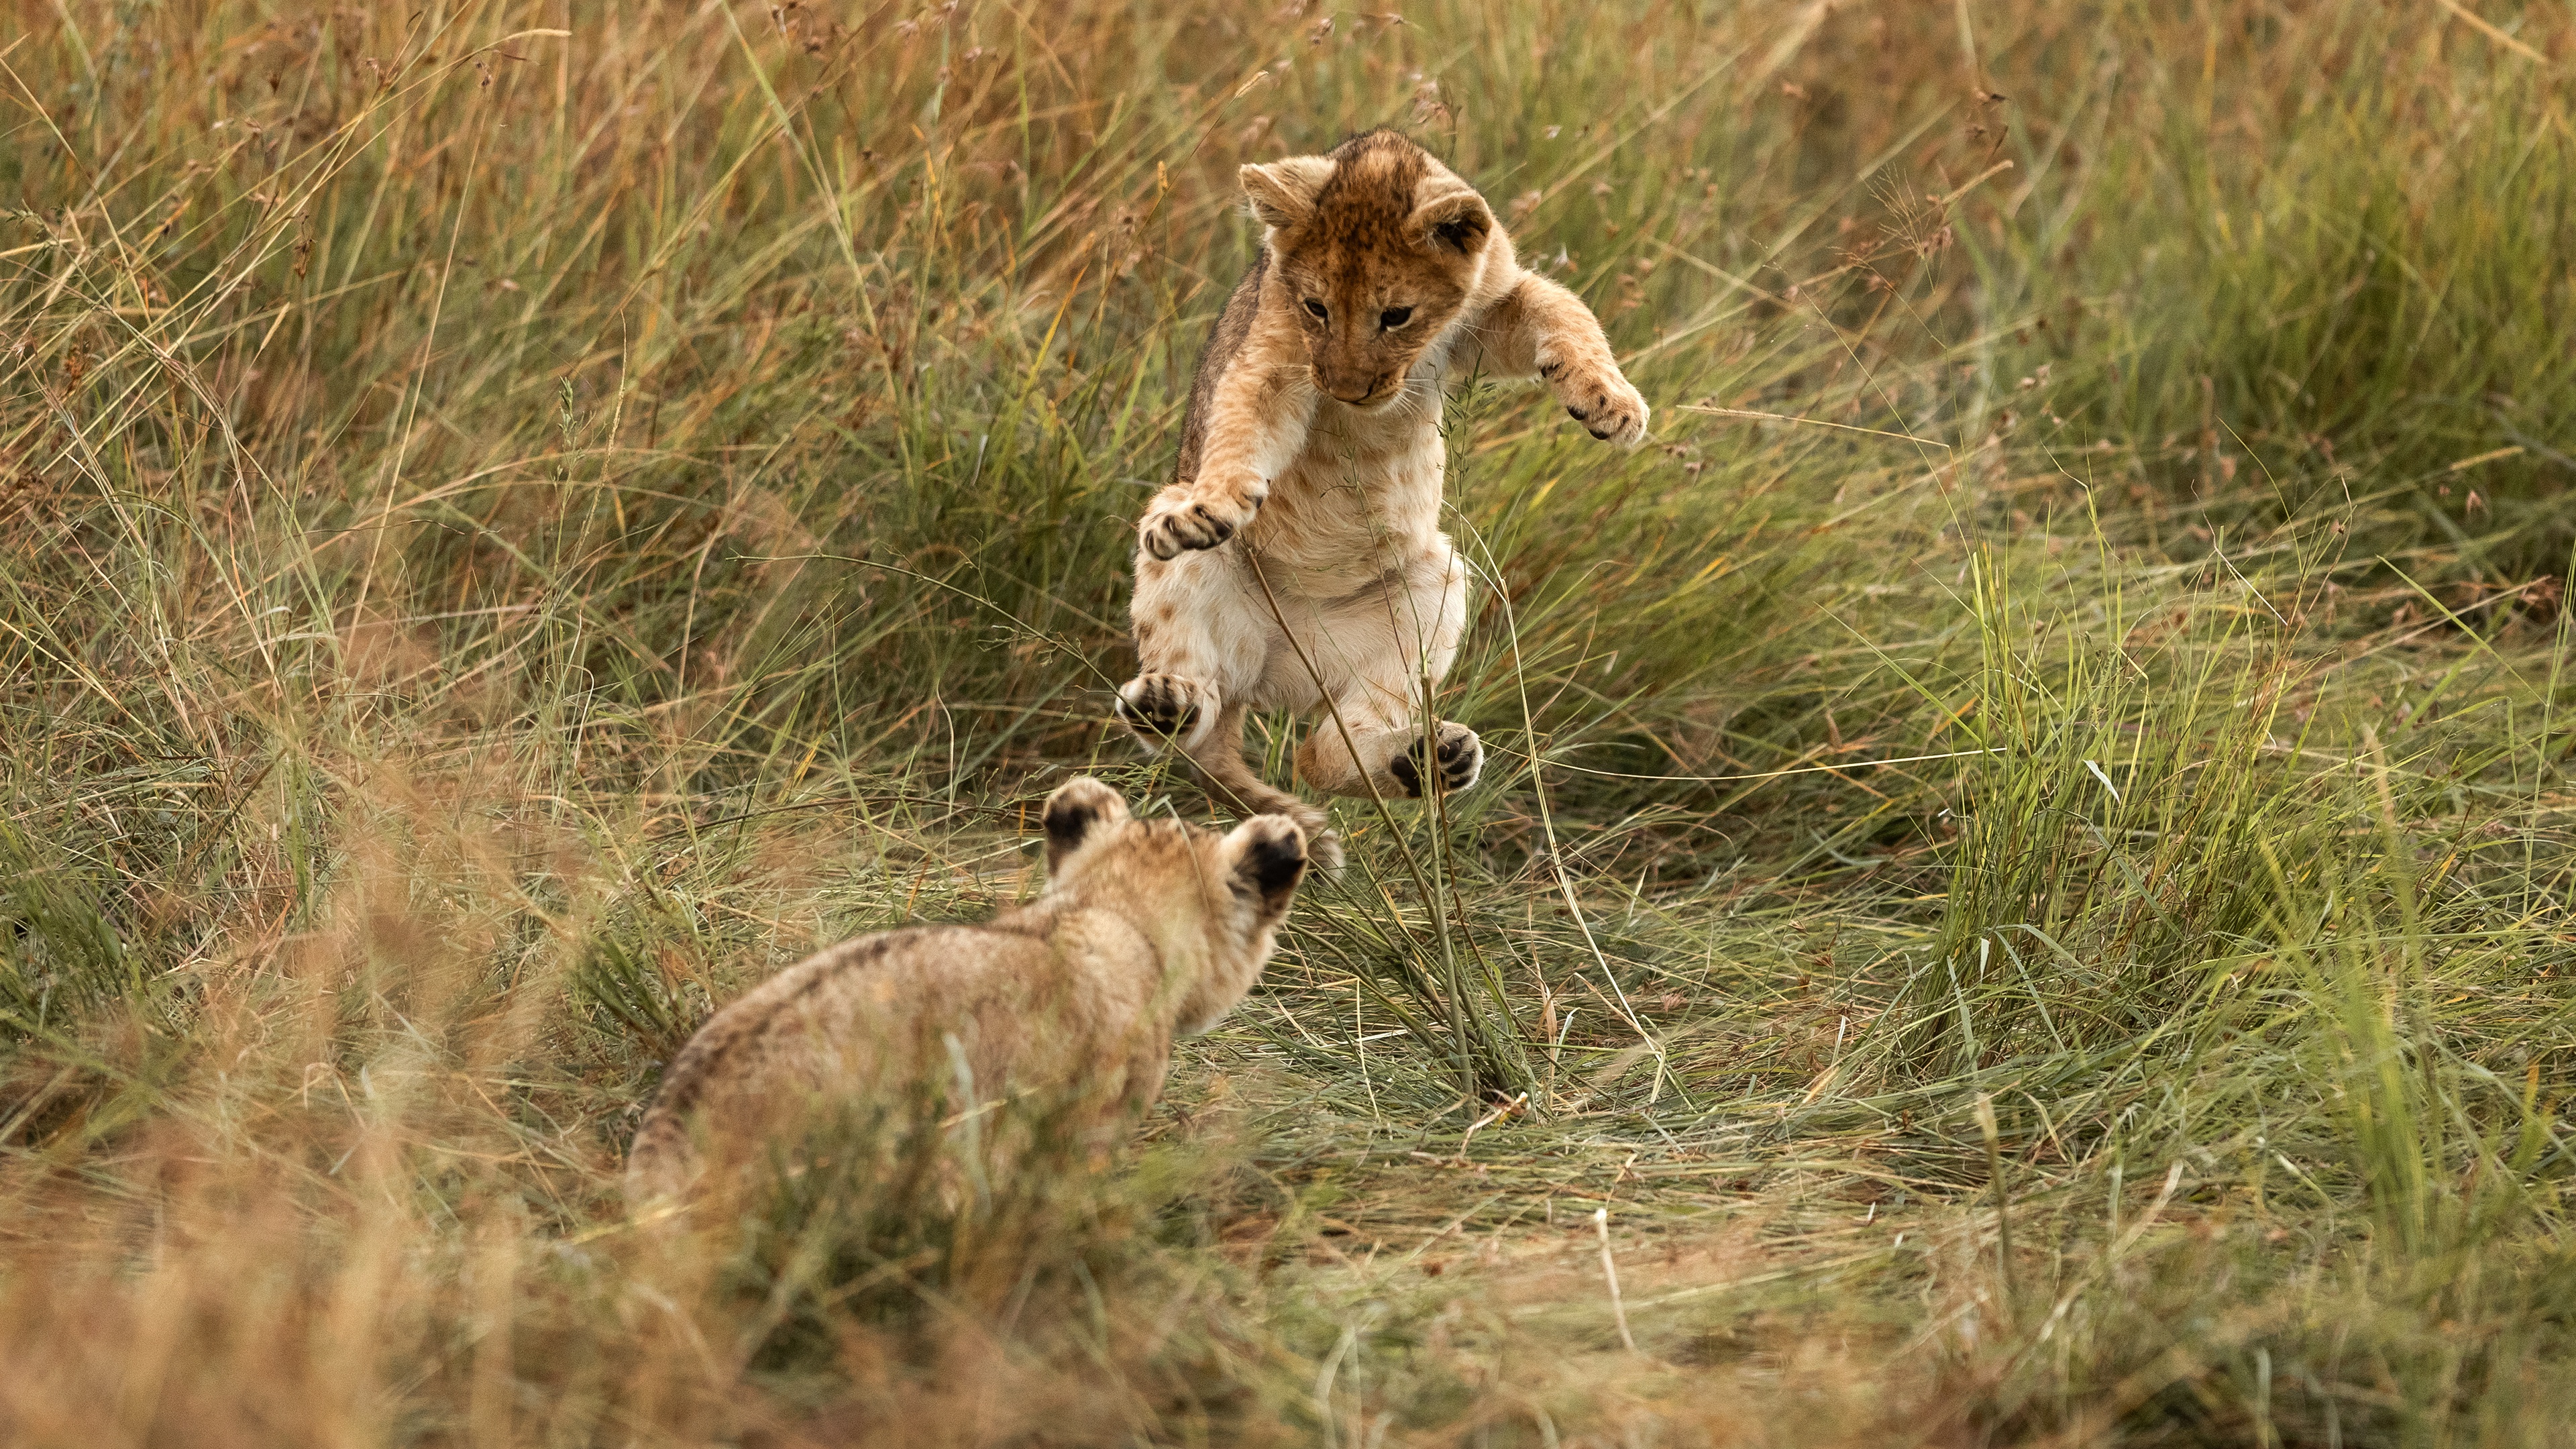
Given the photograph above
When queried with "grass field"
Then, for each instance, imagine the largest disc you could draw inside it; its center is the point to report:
(2024, 870)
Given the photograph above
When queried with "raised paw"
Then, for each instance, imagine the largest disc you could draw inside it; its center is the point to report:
(1163, 708)
(1457, 760)
(1178, 522)
(1596, 396)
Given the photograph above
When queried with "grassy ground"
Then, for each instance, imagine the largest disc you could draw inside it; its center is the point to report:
(519, 520)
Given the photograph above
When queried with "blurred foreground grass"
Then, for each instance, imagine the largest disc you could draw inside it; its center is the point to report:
(516, 520)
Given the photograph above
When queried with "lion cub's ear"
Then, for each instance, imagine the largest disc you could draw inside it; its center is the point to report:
(1449, 215)
(1076, 812)
(1267, 855)
(1283, 193)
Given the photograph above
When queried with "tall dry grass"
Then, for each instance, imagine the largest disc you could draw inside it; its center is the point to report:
(520, 519)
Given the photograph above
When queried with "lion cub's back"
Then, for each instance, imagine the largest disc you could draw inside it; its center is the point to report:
(843, 1021)
(1225, 340)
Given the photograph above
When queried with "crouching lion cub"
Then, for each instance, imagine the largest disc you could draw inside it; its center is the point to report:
(1145, 929)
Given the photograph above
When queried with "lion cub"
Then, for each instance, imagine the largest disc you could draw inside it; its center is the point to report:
(1146, 928)
(1296, 561)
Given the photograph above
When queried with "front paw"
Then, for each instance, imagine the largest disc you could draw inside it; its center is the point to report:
(1177, 524)
(1596, 396)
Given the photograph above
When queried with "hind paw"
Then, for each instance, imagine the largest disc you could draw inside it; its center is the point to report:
(1455, 762)
(1163, 708)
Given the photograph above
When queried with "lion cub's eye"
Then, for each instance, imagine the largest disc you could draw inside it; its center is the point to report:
(1315, 307)
(1394, 317)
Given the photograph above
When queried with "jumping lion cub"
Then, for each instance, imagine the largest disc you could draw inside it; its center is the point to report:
(1311, 451)
(1146, 928)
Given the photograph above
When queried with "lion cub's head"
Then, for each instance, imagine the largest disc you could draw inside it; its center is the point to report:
(1211, 903)
(1378, 246)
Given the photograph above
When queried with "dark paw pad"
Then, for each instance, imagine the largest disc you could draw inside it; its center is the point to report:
(1158, 707)
(1406, 772)
(1456, 761)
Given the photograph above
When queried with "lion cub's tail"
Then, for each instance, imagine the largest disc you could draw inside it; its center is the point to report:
(662, 1162)
(1220, 759)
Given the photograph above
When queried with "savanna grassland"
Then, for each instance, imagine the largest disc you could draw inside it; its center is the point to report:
(2021, 892)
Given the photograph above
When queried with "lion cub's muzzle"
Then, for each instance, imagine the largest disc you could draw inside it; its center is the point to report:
(1369, 396)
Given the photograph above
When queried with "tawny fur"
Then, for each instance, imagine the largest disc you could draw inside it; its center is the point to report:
(1146, 929)
(1308, 492)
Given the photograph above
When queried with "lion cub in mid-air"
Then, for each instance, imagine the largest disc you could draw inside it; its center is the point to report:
(1311, 450)
(1145, 929)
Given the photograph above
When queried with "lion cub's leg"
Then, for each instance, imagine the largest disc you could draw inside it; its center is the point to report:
(1376, 653)
(1396, 756)
(1199, 645)
(1540, 328)
(1202, 643)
